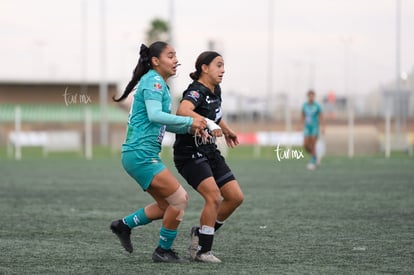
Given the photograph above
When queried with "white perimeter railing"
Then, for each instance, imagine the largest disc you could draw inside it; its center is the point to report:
(49, 141)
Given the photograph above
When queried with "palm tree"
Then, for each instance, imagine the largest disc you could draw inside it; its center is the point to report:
(158, 31)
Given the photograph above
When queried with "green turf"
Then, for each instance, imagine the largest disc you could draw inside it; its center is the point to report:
(348, 217)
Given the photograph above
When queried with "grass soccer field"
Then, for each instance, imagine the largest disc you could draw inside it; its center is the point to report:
(349, 217)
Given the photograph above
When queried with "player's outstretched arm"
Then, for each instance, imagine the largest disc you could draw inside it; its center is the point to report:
(155, 114)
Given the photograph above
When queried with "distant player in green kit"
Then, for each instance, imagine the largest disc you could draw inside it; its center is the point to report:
(149, 118)
(312, 118)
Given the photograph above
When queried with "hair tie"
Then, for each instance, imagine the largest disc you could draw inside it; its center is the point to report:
(143, 51)
(144, 54)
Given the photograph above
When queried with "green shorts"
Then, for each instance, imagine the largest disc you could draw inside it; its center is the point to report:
(311, 130)
(142, 167)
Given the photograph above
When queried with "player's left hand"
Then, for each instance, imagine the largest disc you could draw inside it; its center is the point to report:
(231, 138)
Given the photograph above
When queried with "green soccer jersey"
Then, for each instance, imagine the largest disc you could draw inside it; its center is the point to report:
(311, 113)
(143, 134)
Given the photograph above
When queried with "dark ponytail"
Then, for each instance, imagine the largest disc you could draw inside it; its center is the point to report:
(144, 65)
(204, 58)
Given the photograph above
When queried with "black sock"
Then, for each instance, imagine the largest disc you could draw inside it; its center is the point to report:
(205, 242)
(218, 225)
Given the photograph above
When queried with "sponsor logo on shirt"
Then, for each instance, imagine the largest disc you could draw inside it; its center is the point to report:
(209, 101)
(157, 86)
(161, 133)
(194, 95)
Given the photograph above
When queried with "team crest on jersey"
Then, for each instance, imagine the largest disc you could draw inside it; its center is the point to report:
(157, 86)
(194, 94)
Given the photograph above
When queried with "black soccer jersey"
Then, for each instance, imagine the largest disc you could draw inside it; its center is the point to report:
(207, 104)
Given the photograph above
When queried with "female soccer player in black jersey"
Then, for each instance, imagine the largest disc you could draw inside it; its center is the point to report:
(200, 162)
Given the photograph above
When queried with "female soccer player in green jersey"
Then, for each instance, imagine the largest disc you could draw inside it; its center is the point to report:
(149, 118)
(311, 119)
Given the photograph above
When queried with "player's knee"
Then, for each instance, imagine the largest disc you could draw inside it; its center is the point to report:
(214, 198)
(178, 200)
(162, 206)
(238, 199)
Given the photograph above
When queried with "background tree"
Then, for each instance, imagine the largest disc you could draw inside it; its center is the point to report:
(158, 31)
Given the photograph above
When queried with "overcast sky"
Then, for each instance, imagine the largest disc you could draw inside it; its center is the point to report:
(42, 40)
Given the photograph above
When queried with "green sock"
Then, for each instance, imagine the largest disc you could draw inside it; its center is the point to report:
(167, 237)
(136, 219)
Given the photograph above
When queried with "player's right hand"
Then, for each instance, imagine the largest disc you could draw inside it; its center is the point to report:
(217, 133)
(199, 123)
(215, 130)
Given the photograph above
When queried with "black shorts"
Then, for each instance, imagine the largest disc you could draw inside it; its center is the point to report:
(198, 169)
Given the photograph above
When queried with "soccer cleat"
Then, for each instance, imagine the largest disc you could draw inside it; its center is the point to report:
(311, 166)
(193, 248)
(167, 256)
(207, 257)
(123, 232)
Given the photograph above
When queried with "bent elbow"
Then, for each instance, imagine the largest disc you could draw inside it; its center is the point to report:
(180, 111)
